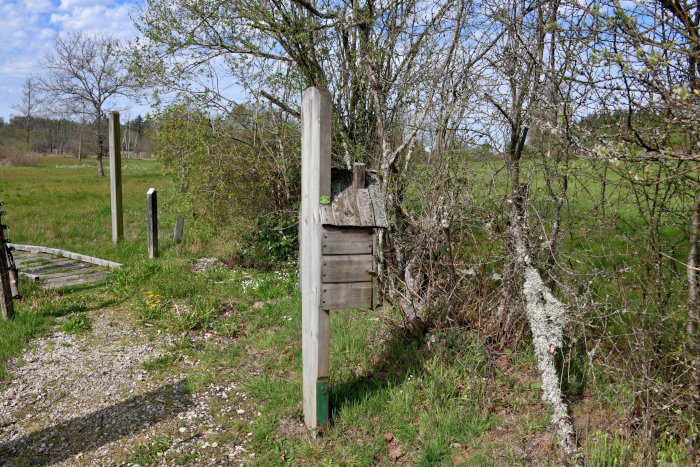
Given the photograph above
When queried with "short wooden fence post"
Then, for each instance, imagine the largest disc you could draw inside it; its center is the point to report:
(6, 308)
(152, 214)
(115, 177)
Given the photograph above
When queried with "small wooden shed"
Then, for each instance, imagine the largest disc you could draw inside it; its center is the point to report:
(341, 211)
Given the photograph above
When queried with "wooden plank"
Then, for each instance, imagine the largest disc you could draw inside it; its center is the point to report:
(87, 280)
(346, 268)
(67, 254)
(364, 207)
(348, 209)
(358, 176)
(374, 269)
(327, 217)
(346, 241)
(39, 268)
(93, 276)
(152, 222)
(346, 296)
(73, 273)
(59, 268)
(337, 216)
(315, 182)
(115, 177)
(380, 219)
(27, 260)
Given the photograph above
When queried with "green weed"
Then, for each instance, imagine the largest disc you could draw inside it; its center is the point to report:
(148, 453)
(76, 324)
(608, 450)
(160, 364)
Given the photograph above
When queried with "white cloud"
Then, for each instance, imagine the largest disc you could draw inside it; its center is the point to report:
(29, 27)
(70, 5)
(97, 18)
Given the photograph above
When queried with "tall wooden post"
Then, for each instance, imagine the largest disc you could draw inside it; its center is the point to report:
(152, 214)
(115, 177)
(315, 189)
(6, 308)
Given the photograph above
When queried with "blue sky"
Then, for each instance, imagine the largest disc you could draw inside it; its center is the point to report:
(28, 29)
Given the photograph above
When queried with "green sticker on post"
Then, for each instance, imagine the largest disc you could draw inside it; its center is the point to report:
(325, 200)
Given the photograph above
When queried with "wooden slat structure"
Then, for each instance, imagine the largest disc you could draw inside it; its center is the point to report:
(50, 271)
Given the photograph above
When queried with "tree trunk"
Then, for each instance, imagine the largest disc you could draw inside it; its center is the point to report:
(693, 306)
(100, 146)
(28, 128)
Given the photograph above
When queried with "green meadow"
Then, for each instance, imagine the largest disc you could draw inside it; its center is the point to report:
(64, 204)
(396, 398)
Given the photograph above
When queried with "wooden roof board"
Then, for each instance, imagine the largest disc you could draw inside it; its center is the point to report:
(354, 207)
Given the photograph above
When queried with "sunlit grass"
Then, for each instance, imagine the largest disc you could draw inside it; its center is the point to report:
(63, 204)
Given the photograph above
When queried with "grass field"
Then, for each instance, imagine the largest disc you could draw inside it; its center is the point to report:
(64, 204)
(396, 398)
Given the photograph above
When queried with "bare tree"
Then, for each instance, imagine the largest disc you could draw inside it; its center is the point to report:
(84, 74)
(31, 102)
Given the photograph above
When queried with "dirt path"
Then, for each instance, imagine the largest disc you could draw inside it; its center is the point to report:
(86, 400)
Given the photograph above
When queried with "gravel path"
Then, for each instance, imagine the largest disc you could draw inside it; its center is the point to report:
(85, 400)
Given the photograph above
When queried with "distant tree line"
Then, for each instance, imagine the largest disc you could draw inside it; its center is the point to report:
(64, 136)
(83, 79)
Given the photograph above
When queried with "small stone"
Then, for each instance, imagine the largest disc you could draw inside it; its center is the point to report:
(215, 445)
(240, 411)
(183, 429)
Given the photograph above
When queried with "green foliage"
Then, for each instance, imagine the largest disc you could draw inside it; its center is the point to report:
(147, 453)
(52, 303)
(274, 240)
(230, 173)
(160, 364)
(76, 324)
(607, 450)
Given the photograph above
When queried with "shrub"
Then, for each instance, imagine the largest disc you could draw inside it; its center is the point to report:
(274, 240)
(14, 157)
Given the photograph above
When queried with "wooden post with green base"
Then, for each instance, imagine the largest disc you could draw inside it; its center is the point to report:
(315, 185)
(340, 212)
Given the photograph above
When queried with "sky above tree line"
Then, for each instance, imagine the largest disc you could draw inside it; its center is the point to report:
(28, 29)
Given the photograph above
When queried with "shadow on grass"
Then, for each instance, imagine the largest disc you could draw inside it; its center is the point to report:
(403, 355)
(98, 428)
